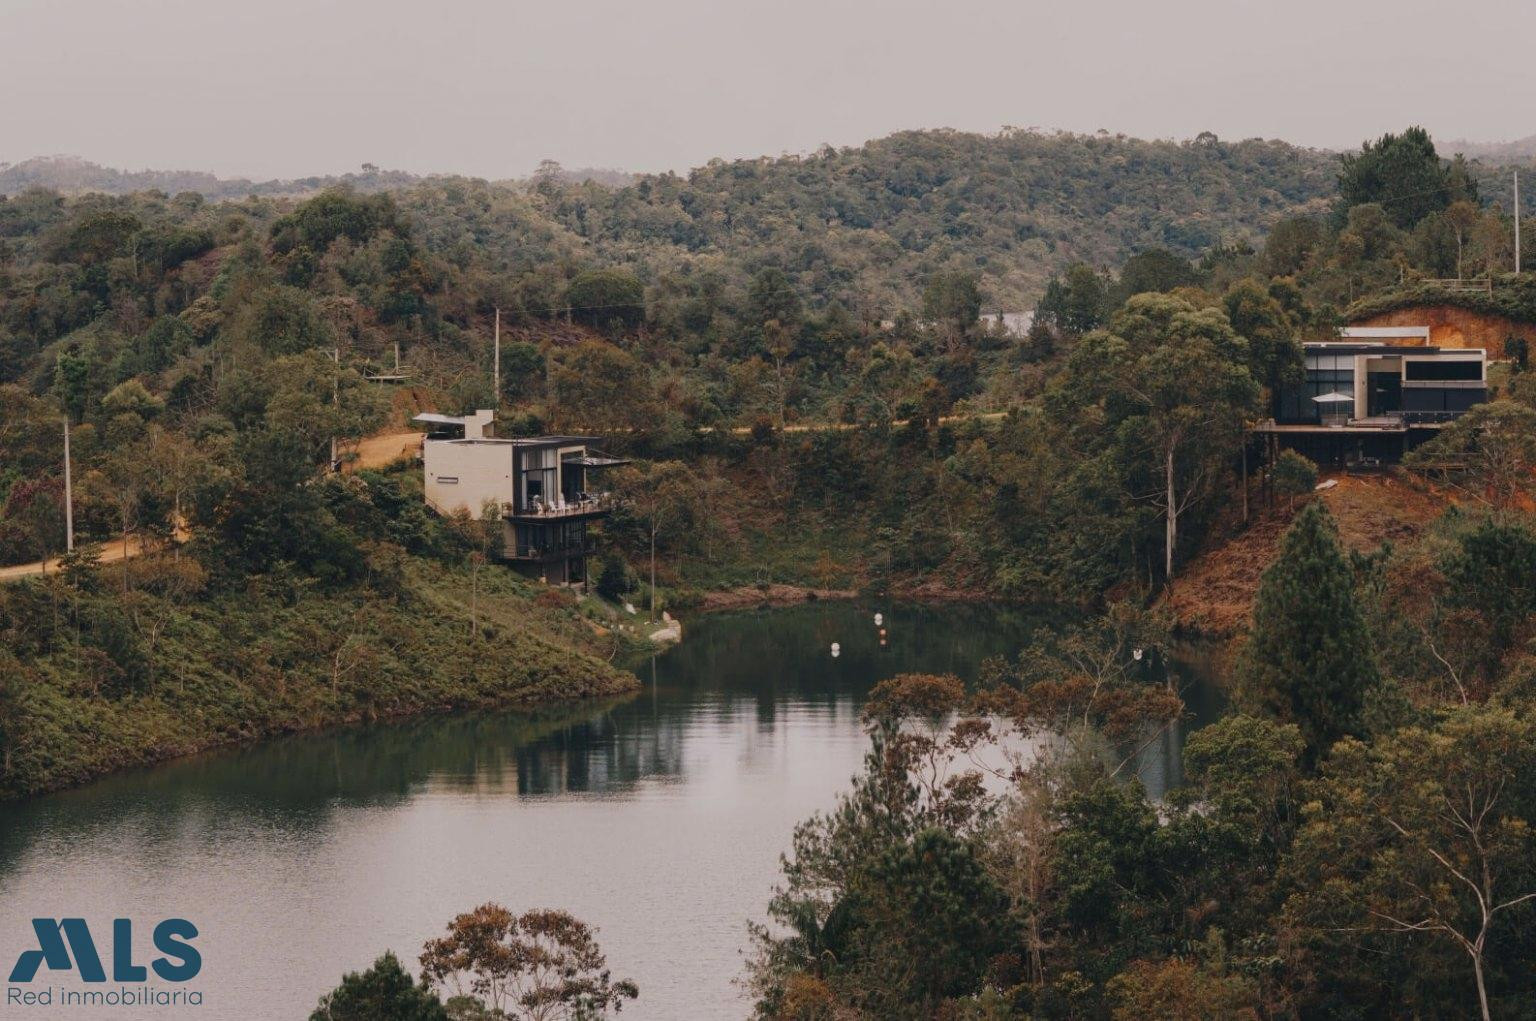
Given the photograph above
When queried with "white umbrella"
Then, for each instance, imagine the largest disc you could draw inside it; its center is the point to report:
(1334, 398)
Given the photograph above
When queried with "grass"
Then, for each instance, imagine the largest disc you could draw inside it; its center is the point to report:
(92, 680)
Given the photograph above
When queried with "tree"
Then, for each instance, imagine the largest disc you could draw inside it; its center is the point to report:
(130, 397)
(772, 297)
(310, 394)
(1274, 353)
(1428, 834)
(1493, 574)
(780, 342)
(1154, 270)
(522, 369)
(1489, 453)
(385, 992)
(1180, 990)
(1402, 173)
(613, 580)
(664, 497)
(282, 321)
(601, 387)
(1076, 302)
(606, 298)
(885, 898)
(1309, 659)
(1174, 384)
(1461, 217)
(540, 966)
(1294, 476)
(483, 536)
(953, 299)
(1290, 245)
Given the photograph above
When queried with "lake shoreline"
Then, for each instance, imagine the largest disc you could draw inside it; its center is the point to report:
(625, 684)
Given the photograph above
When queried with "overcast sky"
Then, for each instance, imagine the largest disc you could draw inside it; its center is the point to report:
(281, 88)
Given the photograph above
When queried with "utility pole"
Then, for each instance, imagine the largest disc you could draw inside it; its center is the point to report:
(1517, 223)
(335, 398)
(69, 495)
(496, 370)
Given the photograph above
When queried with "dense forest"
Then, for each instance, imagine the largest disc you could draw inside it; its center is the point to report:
(796, 354)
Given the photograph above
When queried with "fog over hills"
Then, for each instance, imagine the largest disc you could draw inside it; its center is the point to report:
(74, 175)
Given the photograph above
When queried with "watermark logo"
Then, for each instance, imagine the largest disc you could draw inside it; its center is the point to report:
(67, 945)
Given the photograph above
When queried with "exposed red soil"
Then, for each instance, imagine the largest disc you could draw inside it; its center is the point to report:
(1214, 593)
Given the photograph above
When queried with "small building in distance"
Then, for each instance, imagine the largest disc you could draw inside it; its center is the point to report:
(1374, 395)
(541, 488)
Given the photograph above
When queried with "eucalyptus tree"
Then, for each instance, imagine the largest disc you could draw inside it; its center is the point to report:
(1170, 384)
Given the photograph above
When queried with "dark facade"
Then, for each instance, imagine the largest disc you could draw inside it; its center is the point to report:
(553, 505)
(1420, 385)
(1373, 402)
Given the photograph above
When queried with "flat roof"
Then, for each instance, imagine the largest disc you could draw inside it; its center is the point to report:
(1393, 350)
(1363, 332)
(1344, 430)
(518, 441)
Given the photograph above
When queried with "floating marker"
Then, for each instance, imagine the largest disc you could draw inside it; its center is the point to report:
(879, 619)
(837, 650)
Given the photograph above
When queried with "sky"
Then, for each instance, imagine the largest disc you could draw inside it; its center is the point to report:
(285, 88)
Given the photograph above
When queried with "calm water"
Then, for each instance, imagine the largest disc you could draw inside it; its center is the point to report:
(659, 819)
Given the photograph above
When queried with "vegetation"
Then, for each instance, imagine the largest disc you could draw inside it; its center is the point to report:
(1309, 659)
(798, 355)
(1353, 840)
(385, 992)
(106, 667)
(537, 966)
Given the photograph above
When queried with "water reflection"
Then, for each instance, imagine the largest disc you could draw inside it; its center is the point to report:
(660, 814)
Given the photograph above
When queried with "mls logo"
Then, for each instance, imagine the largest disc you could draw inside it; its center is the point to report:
(65, 944)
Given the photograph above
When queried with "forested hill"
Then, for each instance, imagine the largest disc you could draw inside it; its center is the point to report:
(1018, 206)
(863, 225)
(71, 175)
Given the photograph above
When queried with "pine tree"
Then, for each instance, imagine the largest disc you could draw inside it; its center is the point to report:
(1309, 658)
(385, 992)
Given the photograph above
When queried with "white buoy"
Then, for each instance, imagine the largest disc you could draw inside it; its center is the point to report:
(837, 650)
(879, 619)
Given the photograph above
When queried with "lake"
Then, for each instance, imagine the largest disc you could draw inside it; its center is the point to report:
(658, 819)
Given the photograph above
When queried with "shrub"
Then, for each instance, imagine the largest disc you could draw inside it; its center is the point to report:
(1294, 476)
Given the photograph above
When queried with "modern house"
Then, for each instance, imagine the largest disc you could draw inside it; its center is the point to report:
(1371, 397)
(540, 487)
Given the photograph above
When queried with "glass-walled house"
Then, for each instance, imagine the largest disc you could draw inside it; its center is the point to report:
(1365, 402)
(542, 488)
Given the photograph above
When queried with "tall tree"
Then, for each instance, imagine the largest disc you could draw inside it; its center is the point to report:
(1174, 385)
(952, 298)
(1309, 658)
(1400, 172)
(539, 966)
(1428, 835)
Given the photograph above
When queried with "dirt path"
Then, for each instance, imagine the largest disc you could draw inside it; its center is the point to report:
(111, 553)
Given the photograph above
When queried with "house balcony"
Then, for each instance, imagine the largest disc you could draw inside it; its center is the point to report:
(551, 552)
(583, 505)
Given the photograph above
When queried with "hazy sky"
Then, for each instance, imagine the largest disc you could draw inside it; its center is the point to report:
(279, 88)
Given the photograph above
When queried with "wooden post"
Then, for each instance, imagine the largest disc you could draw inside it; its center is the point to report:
(1245, 478)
